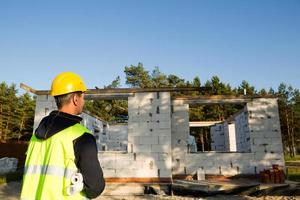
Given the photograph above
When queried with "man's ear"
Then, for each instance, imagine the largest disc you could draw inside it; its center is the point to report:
(75, 99)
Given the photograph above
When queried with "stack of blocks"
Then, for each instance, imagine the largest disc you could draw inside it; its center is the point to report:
(149, 134)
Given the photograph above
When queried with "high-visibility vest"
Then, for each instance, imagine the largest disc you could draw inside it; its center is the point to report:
(50, 165)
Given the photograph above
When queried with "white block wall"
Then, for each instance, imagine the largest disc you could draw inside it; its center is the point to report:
(180, 134)
(242, 131)
(217, 135)
(44, 105)
(149, 134)
(223, 137)
(265, 133)
(135, 165)
(98, 128)
(218, 163)
(117, 137)
(258, 135)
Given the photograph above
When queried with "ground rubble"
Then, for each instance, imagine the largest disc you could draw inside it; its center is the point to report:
(11, 191)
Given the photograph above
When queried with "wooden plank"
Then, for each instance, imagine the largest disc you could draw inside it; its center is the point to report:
(27, 88)
(123, 96)
(203, 123)
(120, 90)
(194, 187)
(218, 99)
(134, 90)
(137, 180)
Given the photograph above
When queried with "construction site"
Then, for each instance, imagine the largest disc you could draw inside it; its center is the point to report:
(154, 150)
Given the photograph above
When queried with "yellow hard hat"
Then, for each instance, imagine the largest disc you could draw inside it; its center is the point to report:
(67, 82)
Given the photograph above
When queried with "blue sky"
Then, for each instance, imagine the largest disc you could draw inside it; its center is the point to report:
(253, 40)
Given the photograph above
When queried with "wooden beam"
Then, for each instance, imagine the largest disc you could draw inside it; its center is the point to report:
(27, 88)
(120, 90)
(107, 96)
(203, 123)
(218, 99)
(138, 180)
(135, 90)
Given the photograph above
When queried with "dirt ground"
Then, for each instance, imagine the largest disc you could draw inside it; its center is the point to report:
(11, 191)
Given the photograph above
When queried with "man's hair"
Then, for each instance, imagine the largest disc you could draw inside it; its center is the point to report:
(64, 99)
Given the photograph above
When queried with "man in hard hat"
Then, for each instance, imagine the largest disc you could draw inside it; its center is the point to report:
(61, 148)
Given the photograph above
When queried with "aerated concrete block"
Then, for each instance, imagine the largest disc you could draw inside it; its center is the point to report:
(246, 169)
(161, 117)
(48, 98)
(160, 148)
(165, 109)
(133, 139)
(188, 170)
(107, 162)
(109, 173)
(165, 95)
(164, 125)
(129, 164)
(228, 171)
(164, 164)
(163, 132)
(267, 156)
(212, 170)
(164, 173)
(146, 173)
(147, 156)
(126, 173)
(142, 148)
(148, 140)
(162, 140)
(164, 156)
(146, 95)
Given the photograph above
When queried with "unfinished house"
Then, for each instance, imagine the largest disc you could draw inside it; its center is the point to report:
(154, 146)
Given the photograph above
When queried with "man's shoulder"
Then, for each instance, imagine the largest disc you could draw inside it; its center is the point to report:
(85, 143)
(86, 137)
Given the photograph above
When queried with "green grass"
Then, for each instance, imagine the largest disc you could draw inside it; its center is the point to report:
(293, 173)
(288, 158)
(2, 179)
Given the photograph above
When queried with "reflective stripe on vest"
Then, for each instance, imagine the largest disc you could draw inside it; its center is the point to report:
(49, 170)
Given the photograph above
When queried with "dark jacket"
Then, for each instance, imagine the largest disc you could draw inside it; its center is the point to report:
(85, 150)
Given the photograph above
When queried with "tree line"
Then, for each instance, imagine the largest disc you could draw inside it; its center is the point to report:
(138, 77)
(17, 112)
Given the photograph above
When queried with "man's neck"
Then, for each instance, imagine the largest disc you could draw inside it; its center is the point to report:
(68, 110)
